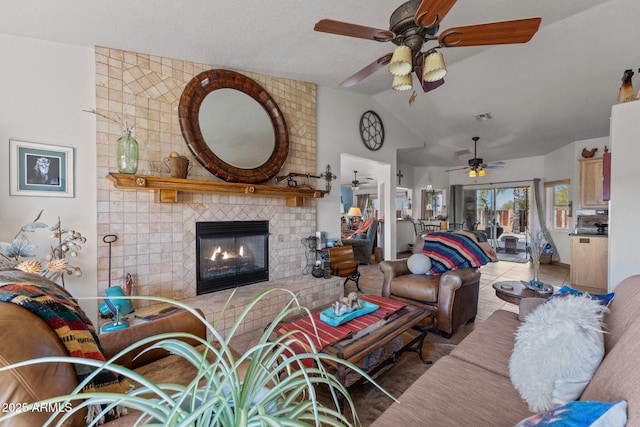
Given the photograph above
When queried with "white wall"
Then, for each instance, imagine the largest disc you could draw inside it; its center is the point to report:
(338, 133)
(44, 88)
(624, 233)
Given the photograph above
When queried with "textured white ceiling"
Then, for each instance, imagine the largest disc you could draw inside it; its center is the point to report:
(556, 89)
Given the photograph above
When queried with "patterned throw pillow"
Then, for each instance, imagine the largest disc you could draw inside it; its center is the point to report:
(603, 299)
(581, 414)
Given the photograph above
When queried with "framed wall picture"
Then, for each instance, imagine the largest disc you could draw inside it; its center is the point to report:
(40, 169)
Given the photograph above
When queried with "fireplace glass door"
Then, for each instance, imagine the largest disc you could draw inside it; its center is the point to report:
(231, 254)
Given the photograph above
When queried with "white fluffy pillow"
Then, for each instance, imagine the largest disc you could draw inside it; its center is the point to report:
(557, 349)
(419, 264)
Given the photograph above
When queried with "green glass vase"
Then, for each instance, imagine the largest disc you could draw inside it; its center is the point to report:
(127, 153)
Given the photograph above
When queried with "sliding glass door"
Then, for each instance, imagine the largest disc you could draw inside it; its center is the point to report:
(498, 211)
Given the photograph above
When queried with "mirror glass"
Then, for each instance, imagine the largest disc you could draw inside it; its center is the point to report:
(236, 128)
(233, 127)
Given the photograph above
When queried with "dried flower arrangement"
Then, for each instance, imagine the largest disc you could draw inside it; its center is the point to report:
(22, 255)
(122, 121)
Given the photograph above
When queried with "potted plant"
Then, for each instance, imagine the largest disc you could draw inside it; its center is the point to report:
(276, 389)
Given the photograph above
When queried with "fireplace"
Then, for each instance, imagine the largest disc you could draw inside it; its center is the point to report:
(231, 254)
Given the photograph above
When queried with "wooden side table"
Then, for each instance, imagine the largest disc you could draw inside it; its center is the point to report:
(513, 291)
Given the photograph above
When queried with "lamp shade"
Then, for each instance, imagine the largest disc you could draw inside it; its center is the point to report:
(434, 68)
(482, 172)
(402, 82)
(401, 62)
(472, 173)
(354, 211)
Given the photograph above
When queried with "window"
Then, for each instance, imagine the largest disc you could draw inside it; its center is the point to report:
(558, 203)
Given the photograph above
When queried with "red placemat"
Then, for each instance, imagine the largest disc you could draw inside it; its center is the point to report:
(328, 334)
(386, 306)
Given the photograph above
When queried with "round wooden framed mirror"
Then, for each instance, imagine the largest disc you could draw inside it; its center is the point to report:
(229, 134)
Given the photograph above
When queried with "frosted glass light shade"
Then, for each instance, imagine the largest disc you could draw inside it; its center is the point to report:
(482, 172)
(401, 62)
(472, 173)
(434, 68)
(402, 82)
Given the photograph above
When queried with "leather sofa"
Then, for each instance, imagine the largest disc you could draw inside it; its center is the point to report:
(472, 386)
(363, 243)
(451, 297)
(24, 336)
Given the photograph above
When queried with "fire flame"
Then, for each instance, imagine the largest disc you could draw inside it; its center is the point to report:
(226, 254)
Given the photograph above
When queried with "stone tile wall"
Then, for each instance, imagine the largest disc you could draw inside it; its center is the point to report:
(156, 241)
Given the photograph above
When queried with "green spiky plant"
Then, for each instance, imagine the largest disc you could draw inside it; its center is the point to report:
(276, 390)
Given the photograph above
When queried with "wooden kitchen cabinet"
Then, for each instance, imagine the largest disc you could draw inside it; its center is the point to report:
(591, 178)
(589, 262)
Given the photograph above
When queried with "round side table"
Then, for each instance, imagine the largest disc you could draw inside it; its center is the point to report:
(513, 291)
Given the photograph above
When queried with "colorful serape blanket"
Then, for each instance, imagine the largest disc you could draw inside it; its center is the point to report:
(453, 251)
(62, 313)
(328, 334)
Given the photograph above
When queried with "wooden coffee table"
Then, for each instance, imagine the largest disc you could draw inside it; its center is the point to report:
(513, 291)
(365, 342)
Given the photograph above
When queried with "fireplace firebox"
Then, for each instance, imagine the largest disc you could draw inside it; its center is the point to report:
(231, 254)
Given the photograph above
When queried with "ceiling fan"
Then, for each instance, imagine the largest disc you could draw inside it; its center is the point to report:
(355, 184)
(477, 166)
(415, 23)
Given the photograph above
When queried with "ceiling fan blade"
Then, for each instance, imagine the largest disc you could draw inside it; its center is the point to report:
(431, 12)
(353, 30)
(427, 86)
(367, 71)
(495, 165)
(457, 169)
(507, 32)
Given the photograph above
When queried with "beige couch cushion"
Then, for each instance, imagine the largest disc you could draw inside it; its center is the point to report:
(622, 310)
(485, 399)
(618, 376)
(491, 343)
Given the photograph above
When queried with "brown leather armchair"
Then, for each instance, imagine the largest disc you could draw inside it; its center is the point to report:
(451, 297)
(26, 336)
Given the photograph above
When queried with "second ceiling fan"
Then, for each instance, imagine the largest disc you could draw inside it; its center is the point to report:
(415, 23)
(477, 166)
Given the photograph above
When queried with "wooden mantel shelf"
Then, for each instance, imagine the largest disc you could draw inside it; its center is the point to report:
(166, 189)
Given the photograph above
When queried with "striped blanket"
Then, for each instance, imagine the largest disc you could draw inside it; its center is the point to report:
(62, 313)
(455, 250)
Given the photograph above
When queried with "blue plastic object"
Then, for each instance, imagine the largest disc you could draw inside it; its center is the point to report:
(124, 304)
(329, 317)
(114, 302)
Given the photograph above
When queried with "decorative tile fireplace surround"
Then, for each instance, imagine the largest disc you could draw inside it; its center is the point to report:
(156, 241)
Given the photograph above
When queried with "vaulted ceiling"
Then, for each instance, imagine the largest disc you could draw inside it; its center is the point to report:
(556, 89)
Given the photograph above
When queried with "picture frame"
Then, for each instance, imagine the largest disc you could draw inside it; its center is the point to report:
(40, 169)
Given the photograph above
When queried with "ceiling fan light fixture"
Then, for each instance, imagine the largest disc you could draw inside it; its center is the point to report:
(472, 173)
(402, 82)
(401, 61)
(434, 68)
(482, 172)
